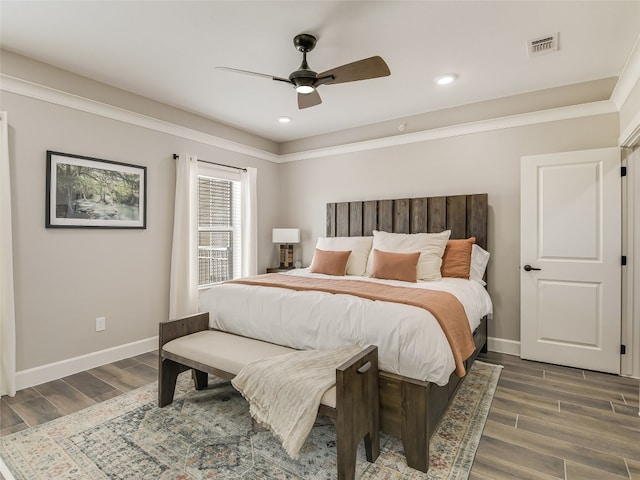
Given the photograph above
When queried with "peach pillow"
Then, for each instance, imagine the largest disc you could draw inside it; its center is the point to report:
(395, 266)
(456, 260)
(330, 262)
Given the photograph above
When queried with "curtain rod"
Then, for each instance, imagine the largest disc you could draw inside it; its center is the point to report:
(175, 157)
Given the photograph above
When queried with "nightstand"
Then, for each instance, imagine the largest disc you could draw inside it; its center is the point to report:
(278, 269)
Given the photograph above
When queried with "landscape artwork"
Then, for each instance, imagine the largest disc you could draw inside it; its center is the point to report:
(90, 192)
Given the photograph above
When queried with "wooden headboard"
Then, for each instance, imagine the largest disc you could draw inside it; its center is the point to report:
(465, 215)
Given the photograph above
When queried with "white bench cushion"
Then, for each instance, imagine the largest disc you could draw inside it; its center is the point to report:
(229, 353)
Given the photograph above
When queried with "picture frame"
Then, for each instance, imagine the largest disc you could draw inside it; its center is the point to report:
(87, 192)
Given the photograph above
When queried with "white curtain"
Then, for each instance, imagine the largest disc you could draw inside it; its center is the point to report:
(183, 292)
(249, 222)
(7, 305)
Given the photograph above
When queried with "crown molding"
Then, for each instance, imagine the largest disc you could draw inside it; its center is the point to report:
(544, 116)
(628, 78)
(59, 97)
(65, 99)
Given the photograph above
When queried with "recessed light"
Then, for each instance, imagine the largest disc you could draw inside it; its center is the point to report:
(445, 79)
(284, 119)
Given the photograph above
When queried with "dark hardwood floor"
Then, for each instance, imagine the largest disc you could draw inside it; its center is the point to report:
(546, 421)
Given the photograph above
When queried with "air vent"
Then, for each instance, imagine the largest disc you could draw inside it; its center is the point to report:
(543, 45)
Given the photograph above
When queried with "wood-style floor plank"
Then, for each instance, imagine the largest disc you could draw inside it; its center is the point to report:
(581, 472)
(634, 469)
(118, 377)
(90, 385)
(606, 442)
(22, 396)
(147, 373)
(64, 397)
(609, 420)
(498, 459)
(550, 446)
(149, 358)
(36, 411)
(549, 392)
(8, 417)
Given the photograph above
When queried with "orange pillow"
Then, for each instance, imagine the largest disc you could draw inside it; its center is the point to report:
(395, 266)
(330, 262)
(456, 260)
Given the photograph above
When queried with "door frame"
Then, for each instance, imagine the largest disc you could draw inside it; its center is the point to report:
(630, 362)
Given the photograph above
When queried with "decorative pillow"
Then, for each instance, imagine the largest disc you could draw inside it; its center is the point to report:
(479, 261)
(430, 245)
(395, 266)
(330, 262)
(456, 261)
(359, 246)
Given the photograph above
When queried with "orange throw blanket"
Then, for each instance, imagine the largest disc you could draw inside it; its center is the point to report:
(445, 307)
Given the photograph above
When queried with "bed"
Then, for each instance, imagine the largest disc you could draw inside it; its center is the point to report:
(416, 384)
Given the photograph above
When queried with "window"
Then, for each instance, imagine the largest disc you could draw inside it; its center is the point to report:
(219, 227)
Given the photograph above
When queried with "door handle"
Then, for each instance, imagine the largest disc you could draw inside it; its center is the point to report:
(528, 268)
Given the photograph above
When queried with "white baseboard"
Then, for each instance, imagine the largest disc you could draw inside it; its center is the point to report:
(63, 368)
(502, 345)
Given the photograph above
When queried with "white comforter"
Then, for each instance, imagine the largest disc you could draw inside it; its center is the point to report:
(410, 342)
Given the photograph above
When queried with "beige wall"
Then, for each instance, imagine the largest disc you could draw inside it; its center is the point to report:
(477, 163)
(65, 278)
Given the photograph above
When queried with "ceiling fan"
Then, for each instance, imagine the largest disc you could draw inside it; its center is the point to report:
(306, 80)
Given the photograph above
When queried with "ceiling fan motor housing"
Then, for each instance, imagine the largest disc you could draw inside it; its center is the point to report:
(305, 42)
(304, 76)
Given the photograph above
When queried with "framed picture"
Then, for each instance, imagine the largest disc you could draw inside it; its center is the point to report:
(85, 192)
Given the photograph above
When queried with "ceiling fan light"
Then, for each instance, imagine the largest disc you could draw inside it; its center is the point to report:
(304, 89)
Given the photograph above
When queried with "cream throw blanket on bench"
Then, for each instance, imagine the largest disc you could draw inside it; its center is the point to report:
(284, 392)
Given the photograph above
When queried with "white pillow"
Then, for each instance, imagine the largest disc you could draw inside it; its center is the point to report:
(479, 261)
(430, 245)
(359, 246)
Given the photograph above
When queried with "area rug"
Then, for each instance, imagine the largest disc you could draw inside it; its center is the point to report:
(209, 434)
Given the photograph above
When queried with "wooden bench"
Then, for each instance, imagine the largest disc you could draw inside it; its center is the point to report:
(352, 404)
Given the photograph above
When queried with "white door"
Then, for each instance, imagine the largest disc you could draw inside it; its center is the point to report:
(570, 254)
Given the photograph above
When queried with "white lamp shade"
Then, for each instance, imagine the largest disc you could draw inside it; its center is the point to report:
(286, 235)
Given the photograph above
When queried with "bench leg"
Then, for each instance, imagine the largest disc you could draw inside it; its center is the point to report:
(357, 411)
(372, 445)
(200, 379)
(347, 448)
(167, 377)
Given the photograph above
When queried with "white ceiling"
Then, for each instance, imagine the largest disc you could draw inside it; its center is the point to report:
(167, 51)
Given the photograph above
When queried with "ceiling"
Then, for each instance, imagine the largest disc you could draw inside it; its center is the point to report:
(168, 51)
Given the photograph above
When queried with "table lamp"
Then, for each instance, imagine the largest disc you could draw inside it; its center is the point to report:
(286, 237)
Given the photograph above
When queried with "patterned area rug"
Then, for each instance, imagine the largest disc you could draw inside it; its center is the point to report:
(209, 434)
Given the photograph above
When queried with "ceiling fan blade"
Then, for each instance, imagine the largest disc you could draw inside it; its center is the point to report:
(372, 67)
(255, 74)
(306, 100)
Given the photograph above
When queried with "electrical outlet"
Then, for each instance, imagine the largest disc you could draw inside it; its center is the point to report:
(101, 324)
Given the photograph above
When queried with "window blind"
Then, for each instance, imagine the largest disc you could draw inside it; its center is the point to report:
(219, 229)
